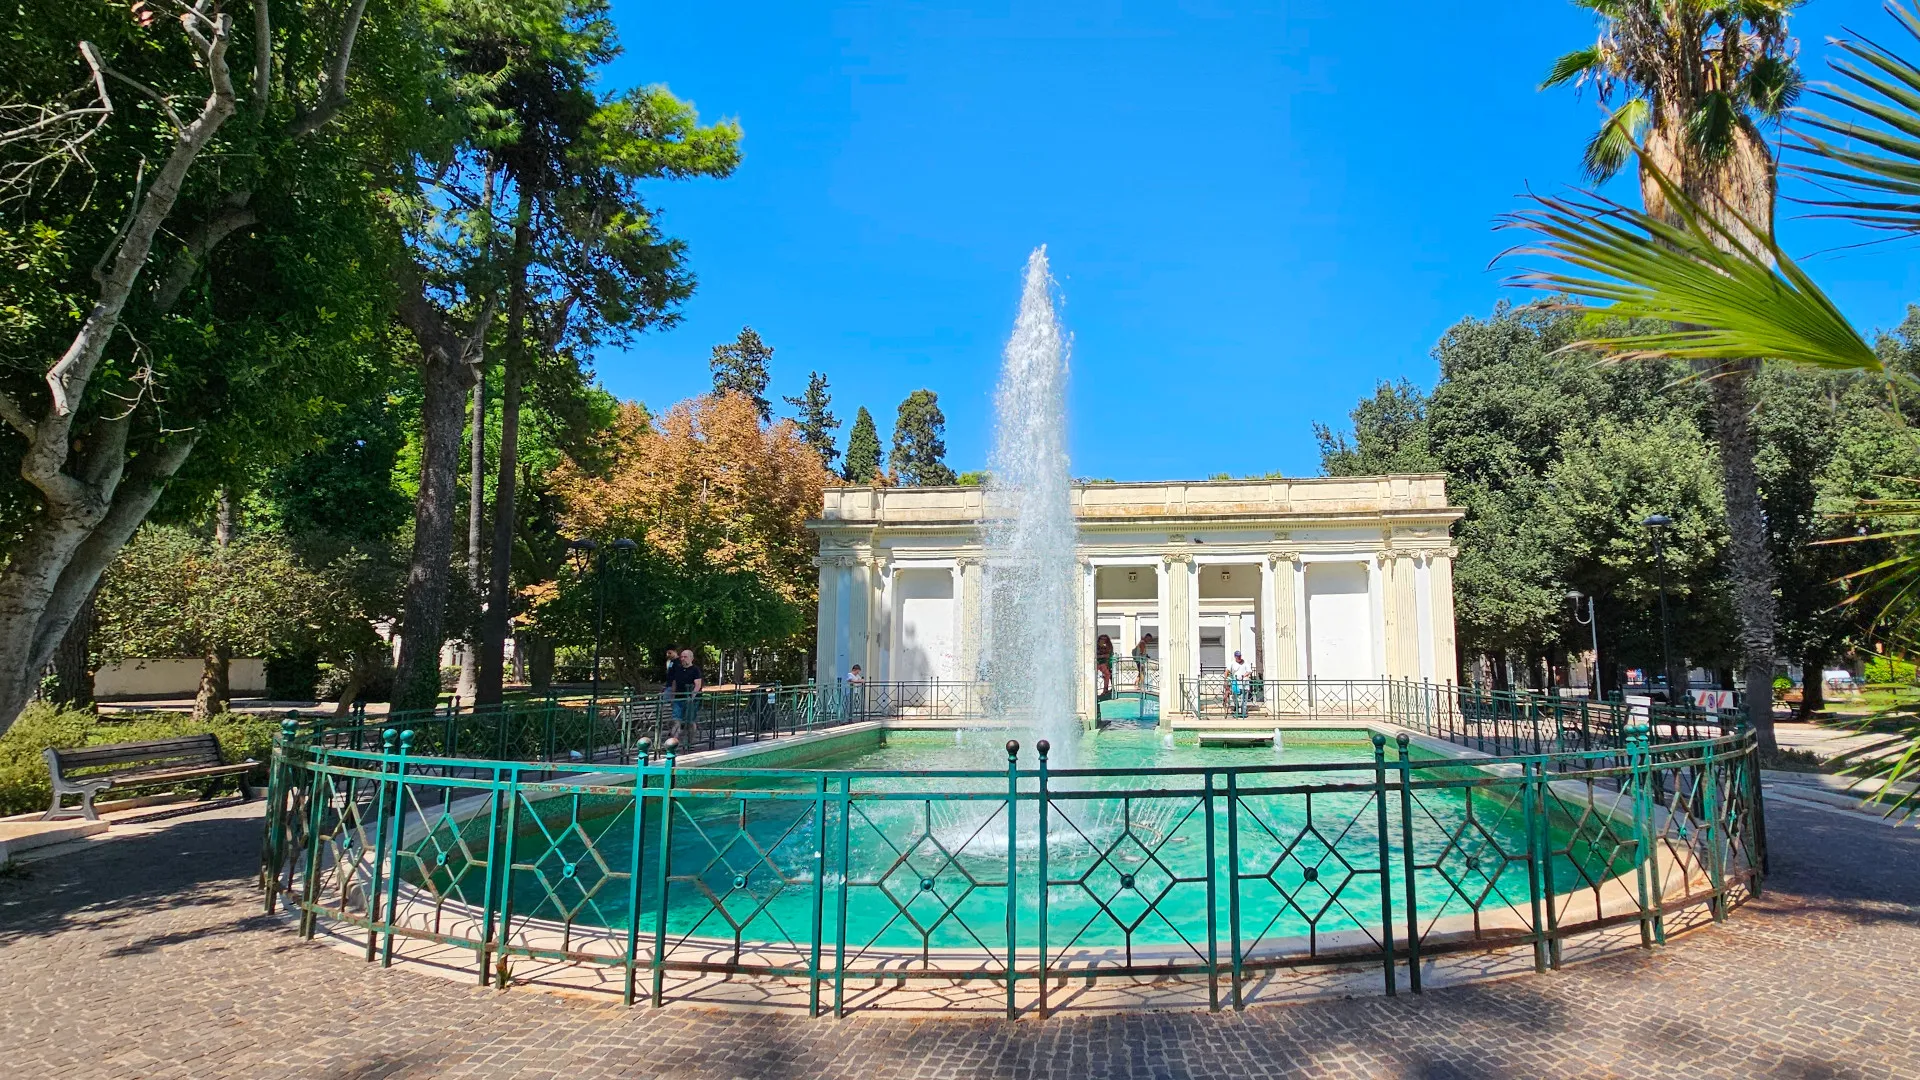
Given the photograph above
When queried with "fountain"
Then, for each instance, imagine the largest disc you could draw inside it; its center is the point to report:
(1031, 659)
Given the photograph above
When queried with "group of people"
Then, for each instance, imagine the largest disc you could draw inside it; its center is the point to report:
(1239, 672)
(1103, 658)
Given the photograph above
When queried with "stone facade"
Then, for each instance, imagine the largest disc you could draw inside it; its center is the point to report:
(1335, 578)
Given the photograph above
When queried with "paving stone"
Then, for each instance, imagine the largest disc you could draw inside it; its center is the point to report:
(149, 957)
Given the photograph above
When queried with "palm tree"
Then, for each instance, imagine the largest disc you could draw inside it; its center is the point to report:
(1727, 291)
(1690, 86)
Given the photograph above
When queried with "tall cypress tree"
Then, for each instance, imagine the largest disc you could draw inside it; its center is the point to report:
(919, 441)
(816, 421)
(863, 450)
(740, 367)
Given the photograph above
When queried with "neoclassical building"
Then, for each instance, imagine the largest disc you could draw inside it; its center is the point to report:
(1336, 578)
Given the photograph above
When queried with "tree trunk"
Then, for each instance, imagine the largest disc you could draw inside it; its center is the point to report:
(72, 661)
(469, 686)
(494, 625)
(423, 618)
(1751, 570)
(215, 691)
(539, 662)
(1813, 688)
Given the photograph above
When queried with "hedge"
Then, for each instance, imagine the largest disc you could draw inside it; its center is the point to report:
(25, 786)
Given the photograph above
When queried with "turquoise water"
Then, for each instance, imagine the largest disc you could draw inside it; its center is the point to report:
(931, 872)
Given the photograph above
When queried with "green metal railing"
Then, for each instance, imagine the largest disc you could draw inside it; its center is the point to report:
(1017, 877)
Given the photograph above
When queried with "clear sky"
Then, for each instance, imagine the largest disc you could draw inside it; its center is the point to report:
(1256, 211)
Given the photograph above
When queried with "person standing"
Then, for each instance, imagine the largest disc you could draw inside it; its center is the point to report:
(1238, 673)
(685, 680)
(1103, 665)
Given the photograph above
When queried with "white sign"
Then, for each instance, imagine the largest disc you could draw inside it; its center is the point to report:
(1713, 700)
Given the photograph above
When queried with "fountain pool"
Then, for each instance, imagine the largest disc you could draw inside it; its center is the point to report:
(915, 838)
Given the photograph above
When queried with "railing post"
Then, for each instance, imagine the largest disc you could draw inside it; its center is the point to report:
(840, 924)
(1531, 773)
(636, 868)
(1407, 861)
(279, 782)
(387, 741)
(1013, 861)
(1213, 908)
(1233, 879)
(490, 890)
(1386, 859)
(819, 891)
(1715, 833)
(510, 836)
(399, 837)
(1636, 747)
(1043, 746)
(666, 870)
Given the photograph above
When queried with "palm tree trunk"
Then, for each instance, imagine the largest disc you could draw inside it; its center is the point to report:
(1752, 564)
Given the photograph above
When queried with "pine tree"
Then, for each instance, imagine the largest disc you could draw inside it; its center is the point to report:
(863, 450)
(740, 367)
(919, 441)
(816, 421)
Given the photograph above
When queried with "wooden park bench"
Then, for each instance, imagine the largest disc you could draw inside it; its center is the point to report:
(161, 763)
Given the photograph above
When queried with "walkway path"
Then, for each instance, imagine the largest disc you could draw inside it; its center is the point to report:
(147, 957)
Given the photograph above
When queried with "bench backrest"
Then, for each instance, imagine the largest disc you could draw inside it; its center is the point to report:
(187, 750)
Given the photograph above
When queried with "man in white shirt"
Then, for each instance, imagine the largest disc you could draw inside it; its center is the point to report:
(1238, 673)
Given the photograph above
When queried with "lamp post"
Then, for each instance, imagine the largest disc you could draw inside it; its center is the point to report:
(590, 557)
(1657, 524)
(1592, 623)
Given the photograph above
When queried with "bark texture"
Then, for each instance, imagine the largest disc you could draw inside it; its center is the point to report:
(447, 374)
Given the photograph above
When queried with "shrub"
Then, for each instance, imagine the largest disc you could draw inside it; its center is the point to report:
(25, 785)
(1882, 670)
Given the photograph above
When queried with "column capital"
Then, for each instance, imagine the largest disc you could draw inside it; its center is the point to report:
(969, 560)
(1275, 558)
(1172, 557)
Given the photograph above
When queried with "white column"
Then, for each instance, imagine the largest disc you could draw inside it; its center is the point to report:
(1377, 597)
(967, 580)
(826, 618)
(1302, 664)
(1404, 644)
(1088, 683)
(857, 583)
(1440, 600)
(1177, 648)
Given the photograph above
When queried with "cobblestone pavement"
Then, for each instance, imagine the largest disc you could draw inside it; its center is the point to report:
(147, 957)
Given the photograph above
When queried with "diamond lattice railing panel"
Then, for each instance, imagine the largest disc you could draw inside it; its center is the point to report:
(1322, 876)
(1136, 866)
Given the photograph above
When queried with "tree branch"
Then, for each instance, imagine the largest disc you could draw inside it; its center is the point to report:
(132, 500)
(262, 59)
(68, 377)
(334, 97)
(199, 244)
(16, 417)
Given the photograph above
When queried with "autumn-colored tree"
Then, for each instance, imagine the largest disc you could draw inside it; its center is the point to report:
(706, 486)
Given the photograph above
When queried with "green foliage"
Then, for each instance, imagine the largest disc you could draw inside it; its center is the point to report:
(1390, 435)
(740, 367)
(171, 593)
(815, 420)
(864, 456)
(1888, 671)
(919, 441)
(24, 784)
(981, 478)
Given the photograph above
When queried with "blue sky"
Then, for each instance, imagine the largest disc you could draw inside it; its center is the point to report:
(1255, 211)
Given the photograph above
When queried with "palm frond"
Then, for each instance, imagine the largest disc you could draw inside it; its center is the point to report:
(1722, 297)
(1877, 148)
(1572, 66)
(1892, 760)
(1617, 140)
